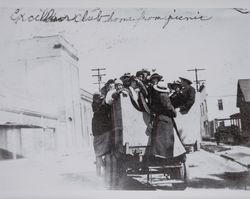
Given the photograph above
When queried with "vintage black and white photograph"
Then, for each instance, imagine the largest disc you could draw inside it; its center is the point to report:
(124, 99)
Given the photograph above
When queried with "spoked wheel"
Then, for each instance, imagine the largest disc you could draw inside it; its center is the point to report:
(181, 174)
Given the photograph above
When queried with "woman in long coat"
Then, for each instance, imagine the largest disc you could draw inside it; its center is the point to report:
(101, 129)
(164, 140)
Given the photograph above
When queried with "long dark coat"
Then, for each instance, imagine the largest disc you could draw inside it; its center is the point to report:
(162, 137)
(188, 93)
(101, 121)
(183, 99)
(101, 127)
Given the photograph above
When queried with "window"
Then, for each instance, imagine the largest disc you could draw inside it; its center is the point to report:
(220, 104)
(206, 105)
(202, 109)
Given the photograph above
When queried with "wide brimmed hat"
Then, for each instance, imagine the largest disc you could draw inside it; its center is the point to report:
(186, 80)
(146, 71)
(141, 72)
(161, 87)
(118, 81)
(155, 75)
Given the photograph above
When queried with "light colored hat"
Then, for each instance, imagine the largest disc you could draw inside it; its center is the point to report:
(161, 87)
(118, 81)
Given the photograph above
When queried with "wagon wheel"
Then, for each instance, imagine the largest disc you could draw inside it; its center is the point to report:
(182, 174)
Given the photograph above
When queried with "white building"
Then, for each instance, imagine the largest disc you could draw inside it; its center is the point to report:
(204, 122)
(194, 126)
(220, 107)
(40, 106)
(86, 114)
(228, 106)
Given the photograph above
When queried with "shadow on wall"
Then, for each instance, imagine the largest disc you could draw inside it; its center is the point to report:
(7, 155)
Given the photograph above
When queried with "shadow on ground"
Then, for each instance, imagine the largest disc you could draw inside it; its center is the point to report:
(84, 180)
(214, 148)
(8, 155)
(228, 180)
(129, 183)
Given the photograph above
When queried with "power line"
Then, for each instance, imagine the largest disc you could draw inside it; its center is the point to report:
(99, 76)
(197, 81)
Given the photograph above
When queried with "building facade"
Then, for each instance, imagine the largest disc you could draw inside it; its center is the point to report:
(86, 114)
(221, 106)
(228, 118)
(204, 122)
(40, 103)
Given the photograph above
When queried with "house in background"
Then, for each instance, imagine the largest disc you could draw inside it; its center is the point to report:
(237, 125)
(219, 108)
(243, 103)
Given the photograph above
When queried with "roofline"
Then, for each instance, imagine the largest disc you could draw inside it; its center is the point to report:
(14, 125)
(243, 79)
(86, 95)
(29, 113)
(86, 91)
(240, 93)
(71, 52)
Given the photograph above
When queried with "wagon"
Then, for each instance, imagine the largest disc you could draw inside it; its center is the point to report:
(129, 155)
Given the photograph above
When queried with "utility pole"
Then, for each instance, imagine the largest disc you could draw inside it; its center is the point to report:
(200, 81)
(197, 81)
(99, 76)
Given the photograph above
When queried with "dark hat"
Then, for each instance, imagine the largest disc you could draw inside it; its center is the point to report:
(155, 75)
(175, 84)
(132, 77)
(97, 96)
(138, 73)
(110, 81)
(145, 71)
(126, 76)
(185, 80)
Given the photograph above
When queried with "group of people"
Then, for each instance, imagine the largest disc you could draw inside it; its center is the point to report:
(150, 94)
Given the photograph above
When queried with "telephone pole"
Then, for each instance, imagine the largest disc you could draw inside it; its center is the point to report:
(197, 81)
(99, 76)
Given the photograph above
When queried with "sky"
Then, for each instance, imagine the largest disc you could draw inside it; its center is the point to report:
(220, 43)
